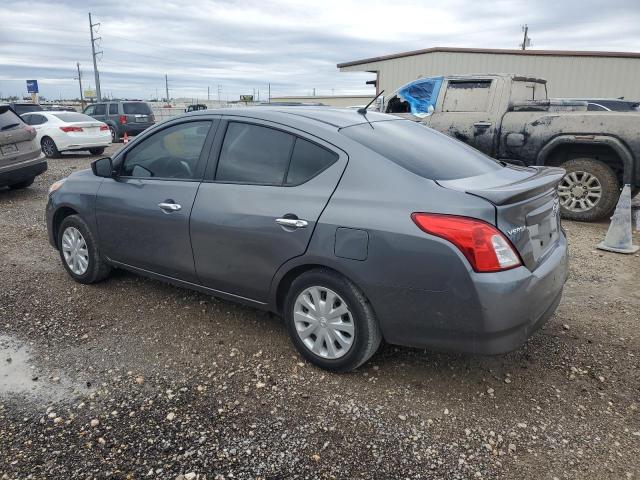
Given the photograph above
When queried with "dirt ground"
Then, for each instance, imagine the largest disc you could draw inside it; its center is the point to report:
(132, 378)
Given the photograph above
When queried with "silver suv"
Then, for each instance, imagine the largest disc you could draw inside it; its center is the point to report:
(21, 159)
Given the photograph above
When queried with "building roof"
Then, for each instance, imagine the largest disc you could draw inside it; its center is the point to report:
(501, 51)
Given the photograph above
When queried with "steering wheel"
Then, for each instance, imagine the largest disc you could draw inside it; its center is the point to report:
(175, 168)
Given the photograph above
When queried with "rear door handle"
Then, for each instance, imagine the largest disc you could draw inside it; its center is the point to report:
(292, 222)
(482, 124)
(169, 206)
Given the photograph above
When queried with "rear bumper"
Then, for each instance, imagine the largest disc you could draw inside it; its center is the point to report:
(486, 313)
(19, 172)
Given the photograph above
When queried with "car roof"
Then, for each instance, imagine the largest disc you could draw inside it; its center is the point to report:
(335, 117)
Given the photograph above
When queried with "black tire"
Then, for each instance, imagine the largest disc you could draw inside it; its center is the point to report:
(97, 269)
(367, 336)
(610, 189)
(96, 151)
(49, 147)
(115, 136)
(23, 184)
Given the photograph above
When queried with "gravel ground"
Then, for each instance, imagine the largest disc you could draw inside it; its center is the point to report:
(133, 378)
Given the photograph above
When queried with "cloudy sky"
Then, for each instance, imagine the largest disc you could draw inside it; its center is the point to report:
(243, 45)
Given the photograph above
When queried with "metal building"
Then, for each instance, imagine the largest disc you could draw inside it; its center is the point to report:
(568, 73)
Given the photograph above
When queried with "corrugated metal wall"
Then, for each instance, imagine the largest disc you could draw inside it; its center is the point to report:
(567, 76)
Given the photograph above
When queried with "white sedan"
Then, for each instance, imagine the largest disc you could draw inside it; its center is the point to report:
(68, 131)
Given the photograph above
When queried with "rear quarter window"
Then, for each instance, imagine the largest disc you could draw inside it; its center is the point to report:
(422, 150)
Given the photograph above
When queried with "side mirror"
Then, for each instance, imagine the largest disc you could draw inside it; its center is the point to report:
(103, 167)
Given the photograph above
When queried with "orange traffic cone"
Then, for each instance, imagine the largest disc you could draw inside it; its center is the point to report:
(125, 139)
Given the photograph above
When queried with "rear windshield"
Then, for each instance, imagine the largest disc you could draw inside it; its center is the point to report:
(422, 150)
(8, 119)
(23, 108)
(140, 108)
(73, 117)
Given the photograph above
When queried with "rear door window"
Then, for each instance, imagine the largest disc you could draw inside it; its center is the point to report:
(467, 96)
(37, 119)
(307, 161)
(254, 154)
(113, 109)
(136, 108)
(100, 109)
(422, 150)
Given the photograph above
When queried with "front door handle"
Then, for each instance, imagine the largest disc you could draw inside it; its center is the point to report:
(482, 124)
(292, 222)
(169, 206)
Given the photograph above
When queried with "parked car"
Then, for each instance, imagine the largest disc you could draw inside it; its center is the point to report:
(68, 132)
(21, 160)
(509, 117)
(354, 228)
(25, 107)
(196, 107)
(607, 104)
(130, 117)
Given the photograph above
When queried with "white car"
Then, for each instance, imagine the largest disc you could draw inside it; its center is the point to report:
(68, 131)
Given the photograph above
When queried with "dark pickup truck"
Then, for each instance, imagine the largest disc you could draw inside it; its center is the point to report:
(510, 118)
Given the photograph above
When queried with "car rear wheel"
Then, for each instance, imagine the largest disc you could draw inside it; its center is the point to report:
(330, 321)
(79, 251)
(115, 138)
(23, 184)
(589, 191)
(49, 147)
(96, 151)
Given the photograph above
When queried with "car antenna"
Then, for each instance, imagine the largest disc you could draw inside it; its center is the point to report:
(363, 110)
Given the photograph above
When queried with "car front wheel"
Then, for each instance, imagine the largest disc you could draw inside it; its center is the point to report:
(330, 321)
(79, 251)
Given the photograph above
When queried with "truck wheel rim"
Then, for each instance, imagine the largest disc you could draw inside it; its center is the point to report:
(324, 322)
(579, 191)
(74, 249)
(48, 147)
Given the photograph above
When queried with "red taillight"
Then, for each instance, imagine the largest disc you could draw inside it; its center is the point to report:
(103, 128)
(486, 248)
(71, 129)
(123, 119)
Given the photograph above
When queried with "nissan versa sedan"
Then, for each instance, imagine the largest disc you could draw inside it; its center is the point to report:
(355, 227)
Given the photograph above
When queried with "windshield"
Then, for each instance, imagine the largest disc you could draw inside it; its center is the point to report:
(73, 117)
(418, 98)
(139, 108)
(422, 150)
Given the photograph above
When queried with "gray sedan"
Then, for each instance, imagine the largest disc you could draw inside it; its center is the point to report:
(354, 227)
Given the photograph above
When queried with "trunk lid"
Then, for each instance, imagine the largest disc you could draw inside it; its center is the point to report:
(526, 204)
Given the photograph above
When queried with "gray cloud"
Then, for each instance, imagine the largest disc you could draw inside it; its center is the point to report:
(245, 44)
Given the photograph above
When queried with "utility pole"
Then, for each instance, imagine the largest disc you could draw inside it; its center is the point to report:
(166, 86)
(526, 41)
(80, 84)
(219, 92)
(93, 51)
(269, 92)
(208, 96)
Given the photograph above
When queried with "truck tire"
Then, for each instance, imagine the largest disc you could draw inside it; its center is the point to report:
(589, 191)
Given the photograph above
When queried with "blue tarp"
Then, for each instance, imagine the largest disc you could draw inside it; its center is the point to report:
(421, 95)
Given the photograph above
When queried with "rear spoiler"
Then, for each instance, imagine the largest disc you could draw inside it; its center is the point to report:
(509, 184)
